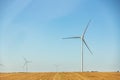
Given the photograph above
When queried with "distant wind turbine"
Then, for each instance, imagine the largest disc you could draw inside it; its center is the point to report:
(26, 64)
(82, 42)
(56, 67)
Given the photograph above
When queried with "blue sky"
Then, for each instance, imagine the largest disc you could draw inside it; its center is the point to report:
(34, 28)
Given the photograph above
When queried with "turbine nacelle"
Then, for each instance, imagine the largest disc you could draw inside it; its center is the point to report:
(82, 37)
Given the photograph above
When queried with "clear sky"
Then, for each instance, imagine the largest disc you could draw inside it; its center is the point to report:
(33, 29)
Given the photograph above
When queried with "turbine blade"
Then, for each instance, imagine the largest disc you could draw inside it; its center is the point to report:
(87, 46)
(25, 59)
(86, 27)
(71, 37)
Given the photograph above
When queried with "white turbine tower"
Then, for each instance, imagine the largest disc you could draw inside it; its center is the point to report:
(26, 64)
(82, 42)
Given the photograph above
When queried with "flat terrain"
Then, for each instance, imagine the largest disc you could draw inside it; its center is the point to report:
(61, 76)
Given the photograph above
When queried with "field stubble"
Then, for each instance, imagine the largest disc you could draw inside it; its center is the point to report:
(61, 76)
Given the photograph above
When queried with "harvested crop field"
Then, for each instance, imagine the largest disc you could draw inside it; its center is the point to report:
(61, 76)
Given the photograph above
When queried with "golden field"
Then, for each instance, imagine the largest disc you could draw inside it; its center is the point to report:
(61, 76)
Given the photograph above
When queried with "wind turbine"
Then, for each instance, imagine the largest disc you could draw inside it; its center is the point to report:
(26, 64)
(82, 42)
(56, 67)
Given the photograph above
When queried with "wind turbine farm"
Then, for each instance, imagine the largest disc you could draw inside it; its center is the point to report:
(59, 40)
(62, 75)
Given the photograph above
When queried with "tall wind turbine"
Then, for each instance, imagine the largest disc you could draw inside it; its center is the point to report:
(26, 64)
(82, 42)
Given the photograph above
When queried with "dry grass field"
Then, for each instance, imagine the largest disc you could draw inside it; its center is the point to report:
(61, 76)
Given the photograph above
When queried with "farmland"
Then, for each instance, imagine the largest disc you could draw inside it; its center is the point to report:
(61, 76)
